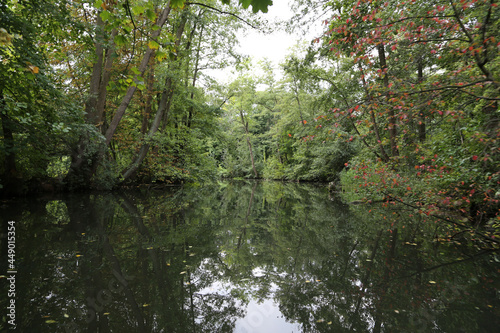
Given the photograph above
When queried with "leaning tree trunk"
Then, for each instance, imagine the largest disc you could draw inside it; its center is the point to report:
(142, 68)
(161, 113)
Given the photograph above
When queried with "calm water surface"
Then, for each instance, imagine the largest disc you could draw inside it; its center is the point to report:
(239, 257)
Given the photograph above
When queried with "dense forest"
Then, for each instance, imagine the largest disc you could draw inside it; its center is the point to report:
(397, 101)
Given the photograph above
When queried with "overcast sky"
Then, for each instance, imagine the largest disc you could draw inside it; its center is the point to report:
(274, 46)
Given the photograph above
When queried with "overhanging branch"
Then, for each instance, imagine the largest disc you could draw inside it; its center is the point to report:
(224, 12)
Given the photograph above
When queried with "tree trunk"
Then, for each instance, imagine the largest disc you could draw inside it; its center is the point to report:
(84, 162)
(421, 115)
(11, 180)
(161, 113)
(148, 100)
(142, 68)
(392, 117)
(383, 153)
(245, 126)
(195, 77)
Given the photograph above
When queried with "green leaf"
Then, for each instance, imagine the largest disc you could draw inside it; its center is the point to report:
(136, 71)
(120, 40)
(138, 10)
(160, 55)
(151, 14)
(98, 4)
(105, 15)
(153, 45)
(127, 28)
(177, 3)
(257, 5)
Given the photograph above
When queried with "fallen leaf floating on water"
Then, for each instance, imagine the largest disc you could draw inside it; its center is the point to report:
(66, 315)
(183, 272)
(145, 305)
(432, 282)
(50, 321)
(106, 314)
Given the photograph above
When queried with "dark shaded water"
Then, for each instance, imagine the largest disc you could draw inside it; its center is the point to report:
(239, 257)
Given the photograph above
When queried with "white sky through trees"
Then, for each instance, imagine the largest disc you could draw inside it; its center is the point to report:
(274, 45)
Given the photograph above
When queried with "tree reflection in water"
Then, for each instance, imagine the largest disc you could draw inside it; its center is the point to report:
(242, 257)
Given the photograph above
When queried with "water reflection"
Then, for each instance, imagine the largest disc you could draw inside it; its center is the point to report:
(241, 257)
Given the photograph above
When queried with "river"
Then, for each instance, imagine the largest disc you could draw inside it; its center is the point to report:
(239, 257)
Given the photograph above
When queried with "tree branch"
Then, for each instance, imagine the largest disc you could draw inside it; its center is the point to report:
(223, 12)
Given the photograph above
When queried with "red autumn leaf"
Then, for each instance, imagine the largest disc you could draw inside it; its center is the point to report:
(474, 157)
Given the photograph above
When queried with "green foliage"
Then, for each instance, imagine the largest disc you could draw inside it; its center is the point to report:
(425, 108)
(274, 169)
